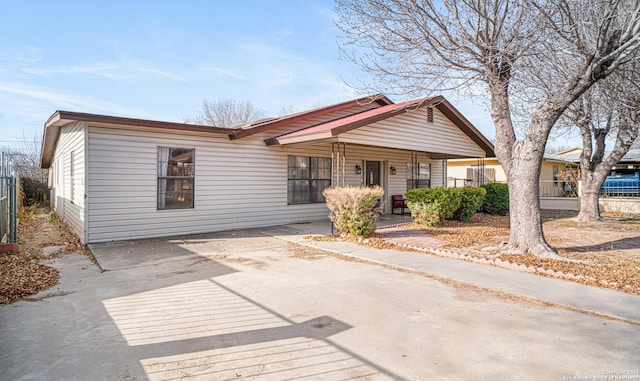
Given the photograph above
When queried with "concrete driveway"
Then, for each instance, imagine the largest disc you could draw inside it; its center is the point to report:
(244, 305)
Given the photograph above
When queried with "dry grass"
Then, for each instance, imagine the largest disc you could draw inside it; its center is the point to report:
(24, 273)
(481, 228)
(607, 252)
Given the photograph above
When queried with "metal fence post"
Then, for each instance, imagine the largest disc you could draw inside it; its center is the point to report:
(13, 210)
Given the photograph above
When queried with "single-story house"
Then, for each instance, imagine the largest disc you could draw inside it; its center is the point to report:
(560, 185)
(628, 165)
(556, 172)
(114, 178)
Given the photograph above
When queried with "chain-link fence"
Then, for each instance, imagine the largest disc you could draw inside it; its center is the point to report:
(8, 209)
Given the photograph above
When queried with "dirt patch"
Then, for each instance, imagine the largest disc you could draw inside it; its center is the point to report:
(304, 252)
(24, 273)
(374, 240)
(228, 258)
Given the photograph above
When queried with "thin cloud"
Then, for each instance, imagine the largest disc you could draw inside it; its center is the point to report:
(162, 73)
(225, 72)
(100, 70)
(285, 33)
(281, 67)
(274, 76)
(15, 95)
(26, 55)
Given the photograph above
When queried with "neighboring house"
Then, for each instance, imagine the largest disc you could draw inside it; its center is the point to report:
(116, 178)
(628, 165)
(555, 174)
(559, 182)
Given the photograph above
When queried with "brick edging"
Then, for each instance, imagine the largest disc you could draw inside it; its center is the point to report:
(392, 226)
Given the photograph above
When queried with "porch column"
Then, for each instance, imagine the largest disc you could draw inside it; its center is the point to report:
(338, 164)
(482, 175)
(443, 160)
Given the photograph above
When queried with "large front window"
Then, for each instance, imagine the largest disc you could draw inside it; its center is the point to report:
(307, 178)
(418, 175)
(176, 177)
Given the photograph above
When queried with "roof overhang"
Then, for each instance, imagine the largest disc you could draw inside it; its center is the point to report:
(559, 161)
(270, 124)
(61, 118)
(337, 127)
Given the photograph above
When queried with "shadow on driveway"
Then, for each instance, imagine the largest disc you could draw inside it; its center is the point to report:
(202, 329)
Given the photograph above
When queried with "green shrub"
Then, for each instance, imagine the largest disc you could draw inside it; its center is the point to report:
(471, 198)
(497, 199)
(354, 209)
(428, 214)
(432, 206)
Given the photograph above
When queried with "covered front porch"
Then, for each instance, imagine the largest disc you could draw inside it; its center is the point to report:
(395, 171)
(397, 147)
(355, 165)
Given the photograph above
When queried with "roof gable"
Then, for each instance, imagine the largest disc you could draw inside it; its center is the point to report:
(368, 117)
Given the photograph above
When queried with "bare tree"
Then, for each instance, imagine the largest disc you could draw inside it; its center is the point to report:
(607, 111)
(533, 59)
(558, 148)
(289, 110)
(228, 113)
(24, 158)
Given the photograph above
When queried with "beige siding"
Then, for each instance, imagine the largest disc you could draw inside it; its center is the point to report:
(68, 181)
(411, 131)
(549, 187)
(392, 184)
(546, 171)
(238, 183)
(459, 171)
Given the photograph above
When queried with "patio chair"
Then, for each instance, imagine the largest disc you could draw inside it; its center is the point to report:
(398, 202)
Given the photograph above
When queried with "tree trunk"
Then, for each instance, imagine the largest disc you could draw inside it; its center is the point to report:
(593, 165)
(589, 202)
(522, 160)
(526, 235)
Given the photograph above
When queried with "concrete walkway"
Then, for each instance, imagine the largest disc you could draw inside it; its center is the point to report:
(244, 305)
(609, 303)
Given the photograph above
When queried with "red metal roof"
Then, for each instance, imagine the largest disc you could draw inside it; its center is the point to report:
(348, 123)
(355, 120)
(385, 108)
(269, 124)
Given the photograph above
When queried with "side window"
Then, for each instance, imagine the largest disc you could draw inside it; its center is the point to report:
(176, 178)
(307, 177)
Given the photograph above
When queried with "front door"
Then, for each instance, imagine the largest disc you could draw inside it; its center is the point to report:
(372, 173)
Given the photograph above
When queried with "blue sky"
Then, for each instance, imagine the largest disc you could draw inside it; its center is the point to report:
(160, 59)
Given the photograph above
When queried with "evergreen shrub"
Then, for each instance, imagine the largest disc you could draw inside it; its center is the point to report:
(471, 199)
(496, 200)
